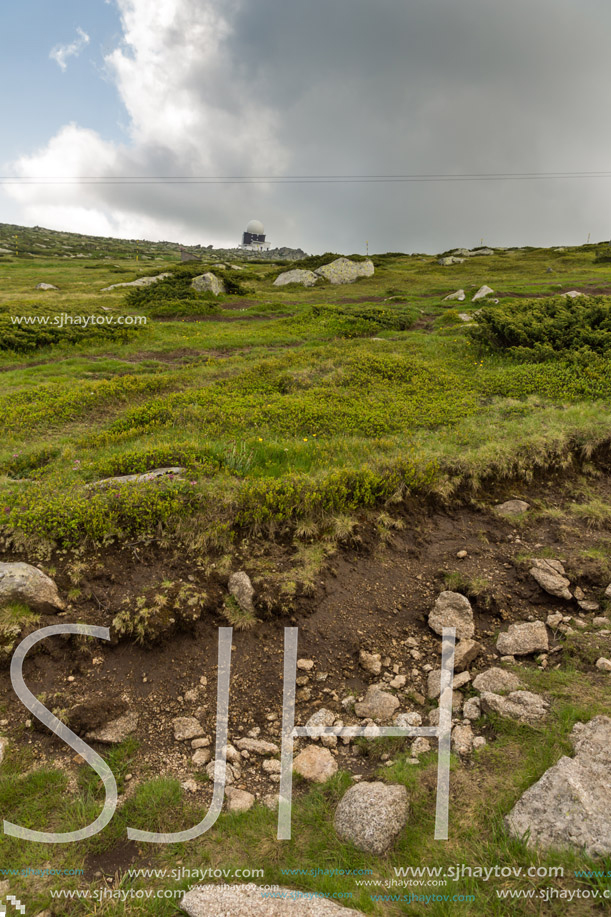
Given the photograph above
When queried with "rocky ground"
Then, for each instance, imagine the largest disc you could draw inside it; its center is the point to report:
(516, 580)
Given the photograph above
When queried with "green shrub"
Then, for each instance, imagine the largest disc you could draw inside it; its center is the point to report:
(542, 329)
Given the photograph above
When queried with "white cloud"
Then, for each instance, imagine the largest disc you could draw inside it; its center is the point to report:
(231, 87)
(61, 53)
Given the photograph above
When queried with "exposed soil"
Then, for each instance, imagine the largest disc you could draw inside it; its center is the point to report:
(371, 596)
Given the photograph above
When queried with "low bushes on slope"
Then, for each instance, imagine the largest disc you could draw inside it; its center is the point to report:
(546, 329)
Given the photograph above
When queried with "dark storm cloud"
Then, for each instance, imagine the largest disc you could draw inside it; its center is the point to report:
(346, 87)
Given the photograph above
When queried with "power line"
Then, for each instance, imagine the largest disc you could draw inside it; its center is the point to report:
(293, 179)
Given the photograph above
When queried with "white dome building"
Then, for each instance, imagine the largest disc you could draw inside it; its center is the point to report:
(253, 240)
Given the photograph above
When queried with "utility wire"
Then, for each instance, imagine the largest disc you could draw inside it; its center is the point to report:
(293, 179)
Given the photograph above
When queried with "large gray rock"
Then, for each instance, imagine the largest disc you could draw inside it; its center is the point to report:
(458, 296)
(28, 585)
(550, 575)
(342, 270)
(46, 286)
(240, 587)
(315, 764)
(141, 282)
(496, 680)
(371, 815)
(569, 805)
(208, 283)
(115, 731)
(450, 259)
(305, 278)
(522, 706)
(523, 639)
(170, 471)
(250, 901)
(482, 293)
(377, 705)
(453, 610)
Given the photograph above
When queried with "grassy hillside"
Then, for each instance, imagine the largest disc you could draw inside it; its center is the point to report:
(316, 428)
(283, 405)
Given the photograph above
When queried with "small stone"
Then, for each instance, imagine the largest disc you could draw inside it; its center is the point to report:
(512, 508)
(115, 731)
(496, 680)
(482, 293)
(478, 742)
(186, 727)
(204, 742)
(453, 610)
(271, 766)
(420, 746)
(407, 720)
(240, 587)
(202, 757)
(398, 681)
(238, 800)
(465, 652)
(462, 554)
(257, 746)
(377, 704)
(522, 706)
(555, 619)
(524, 639)
(603, 664)
(306, 665)
(472, 709)
(550, 576)
(370, 662)
(600, 622)
(315, 764)
(462, 740)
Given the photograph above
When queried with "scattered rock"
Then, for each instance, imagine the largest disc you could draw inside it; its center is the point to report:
(4, 743)
(601, 622)
(137, 478)
(215, 766)
(202, 757)
(208, 283)
(459, 296)
(569, 805)
(240, 587)
(407, 720)
(549, 574)
(377, 704)
(29, 586)
(472, 709)
(573, 293)
(522, 706)
(465, 652)
(238, 800)
(141, 282)
(370, 662)
(554, 620)
(420, 746)
(315, 764)
(322, 717)
(523, 639)
(497, 681)
(305, 278)
(187, 727)
(371, 815)
(453, 610)
(450, 259)
(608, 592)
(462, 740)
(246, 900)
(512, 507)
(342, 270)
(116, 730)
(257, 746)
(482, 293)
(603, 664)
(46, 286)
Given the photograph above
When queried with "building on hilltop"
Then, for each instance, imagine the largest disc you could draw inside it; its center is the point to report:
(253, 240)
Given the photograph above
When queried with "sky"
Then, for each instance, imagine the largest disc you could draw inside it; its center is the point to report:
(276, 89)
